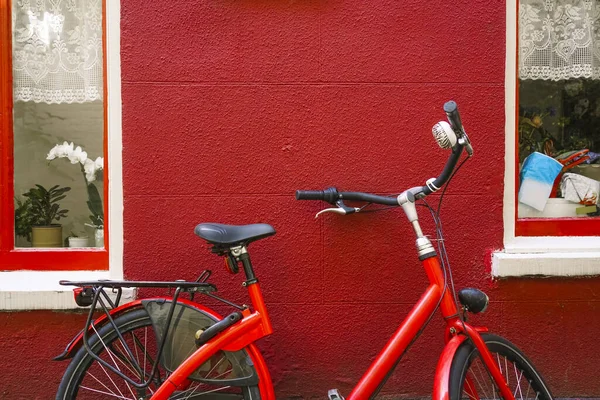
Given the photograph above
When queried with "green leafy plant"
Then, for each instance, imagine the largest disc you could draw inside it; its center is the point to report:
(95, 206)
(533, 136)
(24, 218)
(45, 206)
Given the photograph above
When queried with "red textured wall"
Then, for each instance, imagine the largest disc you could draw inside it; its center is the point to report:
(230, 106)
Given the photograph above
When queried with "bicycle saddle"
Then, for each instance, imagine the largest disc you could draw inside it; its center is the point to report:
(233, 234)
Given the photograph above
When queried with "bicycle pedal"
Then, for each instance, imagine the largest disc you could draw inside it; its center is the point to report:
(333, 394)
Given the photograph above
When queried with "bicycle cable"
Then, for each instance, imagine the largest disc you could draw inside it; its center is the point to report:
(442, 248)
(446, 186)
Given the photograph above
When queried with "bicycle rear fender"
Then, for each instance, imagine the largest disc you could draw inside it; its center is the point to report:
(76, 343)
(441, 390)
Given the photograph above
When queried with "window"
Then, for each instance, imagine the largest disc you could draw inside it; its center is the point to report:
(550, 244)
(558, 121)
(54, 136)
(32, 282)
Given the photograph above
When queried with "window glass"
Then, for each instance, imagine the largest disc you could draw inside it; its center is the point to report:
(58, 123)
(559, 108)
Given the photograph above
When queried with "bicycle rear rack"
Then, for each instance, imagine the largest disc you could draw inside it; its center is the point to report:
(92, 293)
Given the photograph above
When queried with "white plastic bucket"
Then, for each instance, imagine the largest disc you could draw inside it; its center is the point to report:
(537, 178)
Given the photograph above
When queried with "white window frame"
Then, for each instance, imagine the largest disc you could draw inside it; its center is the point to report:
(31, 290)
(545, 255)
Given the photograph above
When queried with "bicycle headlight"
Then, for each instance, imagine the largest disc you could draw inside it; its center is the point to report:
(444, 135)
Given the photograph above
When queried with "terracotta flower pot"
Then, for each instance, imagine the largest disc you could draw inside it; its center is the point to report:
(47, 236)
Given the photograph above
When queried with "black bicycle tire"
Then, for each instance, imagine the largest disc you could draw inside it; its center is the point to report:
(466, 353)
(81, 361)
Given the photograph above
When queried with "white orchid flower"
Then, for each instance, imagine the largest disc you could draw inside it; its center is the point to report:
(52, 153)
(64, 150)
(78, 156)
(99, 163)
(89, 167)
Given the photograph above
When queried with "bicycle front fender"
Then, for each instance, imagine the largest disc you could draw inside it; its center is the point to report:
(76, 343)
(441, 390)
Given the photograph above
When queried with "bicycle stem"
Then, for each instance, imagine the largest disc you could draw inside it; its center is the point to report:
(407, 200)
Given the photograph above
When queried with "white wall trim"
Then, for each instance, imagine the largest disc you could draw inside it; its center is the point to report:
(39, 290)
(545, 264)
(115, 141)
(510, 83)
(561, 256)
(28, 290)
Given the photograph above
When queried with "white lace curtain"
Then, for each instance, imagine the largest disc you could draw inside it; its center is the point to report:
(559, 39)
(57, 50)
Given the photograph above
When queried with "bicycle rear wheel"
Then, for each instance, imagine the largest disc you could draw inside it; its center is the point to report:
(469, 378)
(220, 377)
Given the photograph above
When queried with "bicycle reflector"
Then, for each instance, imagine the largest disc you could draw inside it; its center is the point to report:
(444, 135)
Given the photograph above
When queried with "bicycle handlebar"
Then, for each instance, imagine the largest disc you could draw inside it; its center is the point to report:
(331, 195)
(437, 183)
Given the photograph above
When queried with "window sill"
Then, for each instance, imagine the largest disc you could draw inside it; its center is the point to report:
(565, 264)
(39, 290)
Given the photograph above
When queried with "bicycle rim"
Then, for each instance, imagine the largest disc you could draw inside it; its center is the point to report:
(86, 378)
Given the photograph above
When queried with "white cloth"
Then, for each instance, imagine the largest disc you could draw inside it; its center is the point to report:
(579, 189)
(57, 50)
(559, 39)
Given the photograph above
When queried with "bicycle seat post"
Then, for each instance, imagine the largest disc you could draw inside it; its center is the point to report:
(241, 253)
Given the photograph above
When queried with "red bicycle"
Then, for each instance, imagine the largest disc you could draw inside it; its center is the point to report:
(176, 348)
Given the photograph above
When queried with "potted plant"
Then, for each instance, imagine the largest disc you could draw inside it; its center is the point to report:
(46, 209)
(76, 241)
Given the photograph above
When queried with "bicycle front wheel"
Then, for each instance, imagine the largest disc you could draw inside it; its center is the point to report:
(224, 376)
(470, 379)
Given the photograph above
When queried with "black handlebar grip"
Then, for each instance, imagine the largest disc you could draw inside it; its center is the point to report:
(329, 195)
(451, 110)
(309, 195)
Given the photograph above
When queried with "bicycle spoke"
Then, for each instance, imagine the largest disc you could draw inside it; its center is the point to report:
(102, 367)
(224, 373)
(201, 393)
(213, 368)
(145, 343)
(137, 358)
(115, 365)
(124, 361)
(102, 384)
(483, 376)
(109, 394)
(506, 368)
(471, 389)
(518, 389)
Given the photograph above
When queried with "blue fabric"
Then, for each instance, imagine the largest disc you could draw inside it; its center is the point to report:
(540, 168)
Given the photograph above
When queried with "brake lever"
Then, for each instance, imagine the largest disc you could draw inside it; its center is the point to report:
(465, 141)
(341, 209)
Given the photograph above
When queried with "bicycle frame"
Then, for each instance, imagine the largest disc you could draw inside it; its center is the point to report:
(256, 325)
